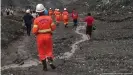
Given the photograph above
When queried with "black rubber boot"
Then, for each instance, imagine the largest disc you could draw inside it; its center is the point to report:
(44, 65)
(50, 60)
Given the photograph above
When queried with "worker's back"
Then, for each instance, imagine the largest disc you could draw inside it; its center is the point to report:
(65, 15)
(43, 22)
(50, 12)
(28, 18)
(58, 13)
(89, 20)
(74, 15)
(44, 25)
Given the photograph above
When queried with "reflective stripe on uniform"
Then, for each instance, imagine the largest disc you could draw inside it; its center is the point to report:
(44, 30)
(35, 26)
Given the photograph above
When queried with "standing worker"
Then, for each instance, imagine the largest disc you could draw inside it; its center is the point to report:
(28, 19)
(65, 16)
(58, 16)
(75, 17)
(43, 27)
(55, 11)
(90, 20)
(50, 12)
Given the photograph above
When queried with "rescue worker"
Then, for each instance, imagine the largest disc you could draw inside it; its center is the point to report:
(90, 20)
(43, 27)
(58, 16)
(28, 19)
(50, 12)
(75, 17)
(55, 11)
(65, 16)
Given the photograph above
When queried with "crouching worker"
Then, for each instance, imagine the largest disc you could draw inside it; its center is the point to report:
(43, 27)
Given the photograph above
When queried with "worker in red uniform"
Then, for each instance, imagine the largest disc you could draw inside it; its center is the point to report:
(65, 16)
(90, 20)
(58, 16)
(75, 17)
(43, 27)
(50, 12)
(55, 11)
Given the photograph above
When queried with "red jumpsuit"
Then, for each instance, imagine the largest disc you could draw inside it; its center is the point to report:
(50, 12)
(65, 16)
(58, 16)
(43, 28)
(55, 12)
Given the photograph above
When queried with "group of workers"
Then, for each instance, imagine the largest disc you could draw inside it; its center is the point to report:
(44, 25)
(54, 14)
(64, 16)
(8, 11)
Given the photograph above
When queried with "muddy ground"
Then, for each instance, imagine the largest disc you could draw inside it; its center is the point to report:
(109, 51)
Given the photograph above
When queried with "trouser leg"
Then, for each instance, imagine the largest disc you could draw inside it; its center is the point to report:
(49, 52)
(66, 22)
(49, 47)
(89, 30)
(28, 29)
(75, 22)
(44, 62)
(41, 48)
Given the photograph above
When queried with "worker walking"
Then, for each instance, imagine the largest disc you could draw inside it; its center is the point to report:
(75, 17)
(43, 27)
(58, 16)
(90, 20)
(65, 16)
(28, 19)
(55, 11)
(50, 12)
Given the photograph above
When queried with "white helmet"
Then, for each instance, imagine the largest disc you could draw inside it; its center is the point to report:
(65, 9)
(55, 8)
(40, 8)
(28, 11)
(58, 9)
(49, 8)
